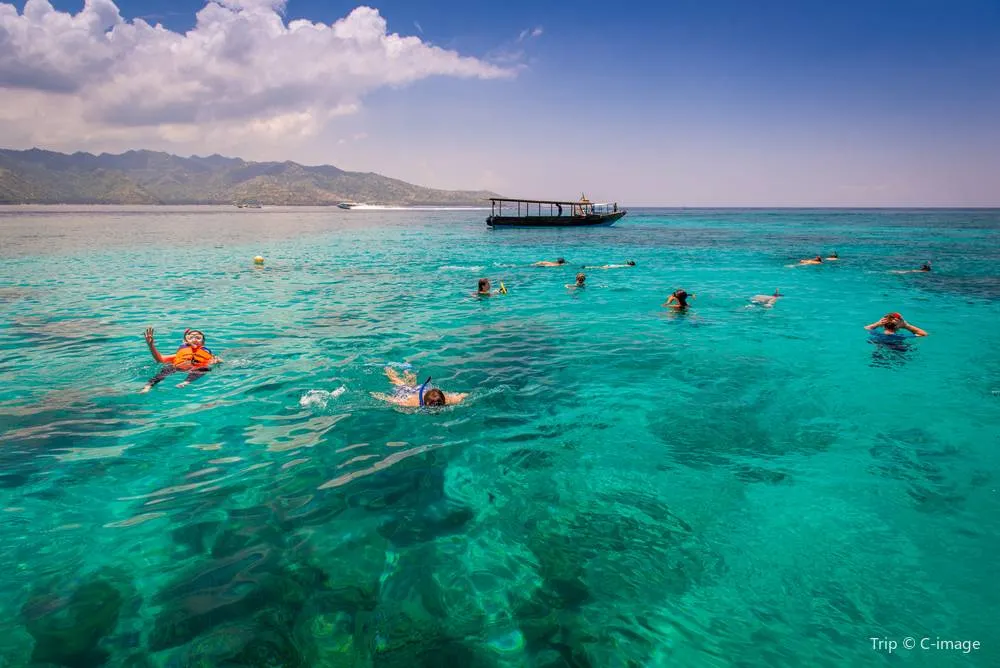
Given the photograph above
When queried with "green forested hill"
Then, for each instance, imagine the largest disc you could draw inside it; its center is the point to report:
(149, 177)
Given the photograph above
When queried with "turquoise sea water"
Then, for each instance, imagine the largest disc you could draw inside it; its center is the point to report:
(734, 486)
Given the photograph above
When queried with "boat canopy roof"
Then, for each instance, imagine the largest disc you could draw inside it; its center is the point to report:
(544, 201)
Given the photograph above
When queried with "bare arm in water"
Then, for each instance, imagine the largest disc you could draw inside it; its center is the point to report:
(407, 379)
(916, 330)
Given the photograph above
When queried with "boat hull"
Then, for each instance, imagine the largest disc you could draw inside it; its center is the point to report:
(593, 220)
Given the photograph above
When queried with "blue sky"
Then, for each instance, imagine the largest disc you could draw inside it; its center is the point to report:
(677, 103)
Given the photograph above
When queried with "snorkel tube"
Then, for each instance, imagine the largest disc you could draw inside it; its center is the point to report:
(420, 392)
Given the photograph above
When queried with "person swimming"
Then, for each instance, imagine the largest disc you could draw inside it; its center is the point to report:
(680, 297)
(893, 323)
(546, 263)
(485, 289)
(815, 260)
(925, 267)
(581, 280)
(192, 357)
(766, 300)
(407, 393)
(833, 256)
(628, 263)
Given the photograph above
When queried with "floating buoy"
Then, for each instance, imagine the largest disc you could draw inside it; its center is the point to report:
(258, 260)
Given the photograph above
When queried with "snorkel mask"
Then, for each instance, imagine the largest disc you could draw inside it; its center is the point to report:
(194, 331)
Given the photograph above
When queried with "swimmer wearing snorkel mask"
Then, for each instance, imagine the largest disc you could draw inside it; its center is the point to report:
(192, 357)
(408, 394)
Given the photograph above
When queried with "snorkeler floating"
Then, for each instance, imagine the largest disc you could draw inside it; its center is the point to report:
(192, 357)
(815, 260)
(407, 393)
(678, 300)
(892, 323)
(546, 263)
(628, 263)
(925, 267)
(766, 300)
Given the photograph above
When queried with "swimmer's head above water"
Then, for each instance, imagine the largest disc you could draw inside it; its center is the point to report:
(484, 286)
(680, 297)
(194, 338)
(893, 322)
(434, 397)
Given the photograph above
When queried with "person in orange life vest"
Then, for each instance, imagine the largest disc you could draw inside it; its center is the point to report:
(192, 357)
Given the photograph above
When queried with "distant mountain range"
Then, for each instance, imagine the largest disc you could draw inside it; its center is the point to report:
(149, 177)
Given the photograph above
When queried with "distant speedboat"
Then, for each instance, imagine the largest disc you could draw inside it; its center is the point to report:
(349, 205)
(509, 212)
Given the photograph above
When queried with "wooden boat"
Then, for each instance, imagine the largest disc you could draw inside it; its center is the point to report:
(507, 212)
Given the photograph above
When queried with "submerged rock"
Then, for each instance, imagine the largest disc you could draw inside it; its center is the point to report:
(623, 551)
(228, 590)
(261, 642)
(754, 474)
(68, 629)
(329, 631)
(196, 537)
(439, 519)
(934, 471)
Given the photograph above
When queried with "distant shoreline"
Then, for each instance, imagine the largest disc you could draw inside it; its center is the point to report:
(375, 207)
(155, 178)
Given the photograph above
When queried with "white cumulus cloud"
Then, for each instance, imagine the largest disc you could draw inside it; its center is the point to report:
(241, 74)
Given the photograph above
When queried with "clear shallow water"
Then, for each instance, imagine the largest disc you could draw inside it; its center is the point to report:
(624, 487)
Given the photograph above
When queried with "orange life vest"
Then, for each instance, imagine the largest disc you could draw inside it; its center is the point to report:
(187, 356)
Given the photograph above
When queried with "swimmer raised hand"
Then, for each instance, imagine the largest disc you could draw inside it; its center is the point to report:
(152, 346)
